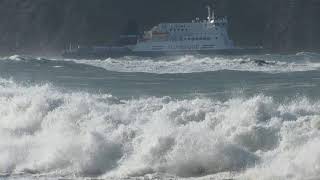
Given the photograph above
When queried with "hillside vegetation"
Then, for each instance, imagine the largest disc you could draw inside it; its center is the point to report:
(51, 25)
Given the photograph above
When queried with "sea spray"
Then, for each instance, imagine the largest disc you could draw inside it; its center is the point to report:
(45, 130)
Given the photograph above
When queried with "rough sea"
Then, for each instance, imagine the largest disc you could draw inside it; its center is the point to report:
(250, 117)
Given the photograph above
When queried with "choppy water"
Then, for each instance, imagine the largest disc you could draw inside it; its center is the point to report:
(191, 117)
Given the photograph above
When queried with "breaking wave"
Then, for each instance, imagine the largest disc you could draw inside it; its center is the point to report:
(13, 58)
(46, 130)
(191, 64)
(17, 57)
(299, 62)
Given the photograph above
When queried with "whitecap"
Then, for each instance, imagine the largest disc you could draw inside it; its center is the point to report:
(192, 64)
(47, 131)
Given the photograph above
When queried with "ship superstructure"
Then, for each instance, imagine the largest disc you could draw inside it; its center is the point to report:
(198, 35)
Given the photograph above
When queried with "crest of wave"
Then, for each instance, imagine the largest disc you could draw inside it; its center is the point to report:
(19, 58)
(13, 58)
(191, 64)
(45, 130)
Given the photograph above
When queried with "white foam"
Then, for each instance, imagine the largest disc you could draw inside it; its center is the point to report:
(44, 130)
(194, 63)
(191, 64)
(18, 57)
(13, 58)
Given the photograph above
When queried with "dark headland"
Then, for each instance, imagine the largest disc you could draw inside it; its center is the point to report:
(51, 25)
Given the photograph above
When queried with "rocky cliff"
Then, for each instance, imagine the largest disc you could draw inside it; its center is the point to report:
(51, 25)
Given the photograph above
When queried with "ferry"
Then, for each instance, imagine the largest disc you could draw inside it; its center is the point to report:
(209, 36)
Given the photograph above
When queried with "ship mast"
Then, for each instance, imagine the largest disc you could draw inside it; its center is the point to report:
(210, 14)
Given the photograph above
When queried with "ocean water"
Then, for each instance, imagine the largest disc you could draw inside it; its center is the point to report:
(184, 117)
